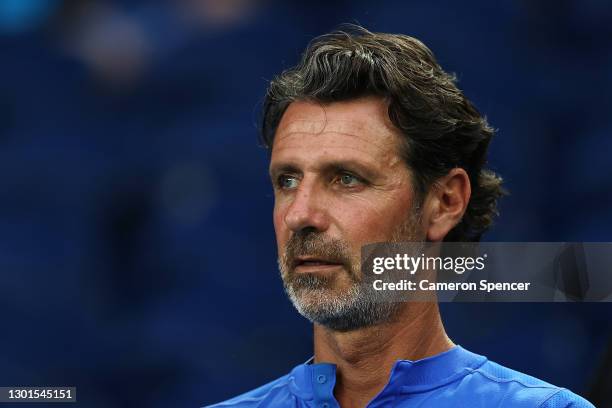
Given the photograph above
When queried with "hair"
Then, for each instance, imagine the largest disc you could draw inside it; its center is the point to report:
(442, 129)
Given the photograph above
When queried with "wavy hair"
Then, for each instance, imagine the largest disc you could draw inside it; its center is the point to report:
(442, 129)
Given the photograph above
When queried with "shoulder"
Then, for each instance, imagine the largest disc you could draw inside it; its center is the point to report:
(522, 390)
(273, 393)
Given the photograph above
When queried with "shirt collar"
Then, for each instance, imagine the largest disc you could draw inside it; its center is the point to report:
(316, 381)
(434, 371)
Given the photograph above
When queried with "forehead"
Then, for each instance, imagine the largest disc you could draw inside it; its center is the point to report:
(359, 127)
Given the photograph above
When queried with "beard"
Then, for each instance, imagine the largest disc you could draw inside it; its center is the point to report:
(339, 301)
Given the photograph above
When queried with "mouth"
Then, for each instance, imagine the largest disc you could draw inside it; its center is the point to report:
(311, 264)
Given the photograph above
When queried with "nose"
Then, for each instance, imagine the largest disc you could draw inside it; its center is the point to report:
(308, 210)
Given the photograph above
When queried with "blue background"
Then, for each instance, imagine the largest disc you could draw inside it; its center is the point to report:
(137, 255)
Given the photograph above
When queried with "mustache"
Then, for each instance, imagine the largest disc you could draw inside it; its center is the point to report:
(303, 243)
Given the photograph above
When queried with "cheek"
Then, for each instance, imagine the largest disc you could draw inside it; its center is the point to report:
(280, 228)
(362, 227)
(370, 221)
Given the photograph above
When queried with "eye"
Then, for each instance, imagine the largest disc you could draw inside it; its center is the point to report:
(287, 182)
(349, 180)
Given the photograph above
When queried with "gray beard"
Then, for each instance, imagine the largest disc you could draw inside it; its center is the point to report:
(315, 297)
(354, 308)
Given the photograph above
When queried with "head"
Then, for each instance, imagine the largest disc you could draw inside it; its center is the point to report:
(370, 141)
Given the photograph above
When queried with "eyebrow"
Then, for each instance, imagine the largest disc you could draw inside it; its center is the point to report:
(282, 168)
(327, 167)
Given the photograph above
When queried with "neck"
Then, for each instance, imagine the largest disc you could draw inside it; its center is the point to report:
(364, 357)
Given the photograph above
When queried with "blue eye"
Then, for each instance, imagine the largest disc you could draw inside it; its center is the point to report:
(287, 182)
(348, 180)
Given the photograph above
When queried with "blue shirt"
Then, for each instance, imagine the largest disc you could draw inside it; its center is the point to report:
(456, 378)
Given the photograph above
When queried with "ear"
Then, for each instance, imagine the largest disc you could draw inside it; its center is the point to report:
(446, 203)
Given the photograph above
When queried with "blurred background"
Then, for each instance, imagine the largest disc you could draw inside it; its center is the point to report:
(137, 256)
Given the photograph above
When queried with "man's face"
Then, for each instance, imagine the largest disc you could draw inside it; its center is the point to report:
(339, 183)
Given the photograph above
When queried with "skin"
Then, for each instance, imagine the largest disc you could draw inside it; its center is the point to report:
(336, 169)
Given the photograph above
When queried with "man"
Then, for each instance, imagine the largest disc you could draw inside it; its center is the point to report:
(371, 141)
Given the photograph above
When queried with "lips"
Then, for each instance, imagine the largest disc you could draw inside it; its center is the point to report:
(311, 263)
(313, 260)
